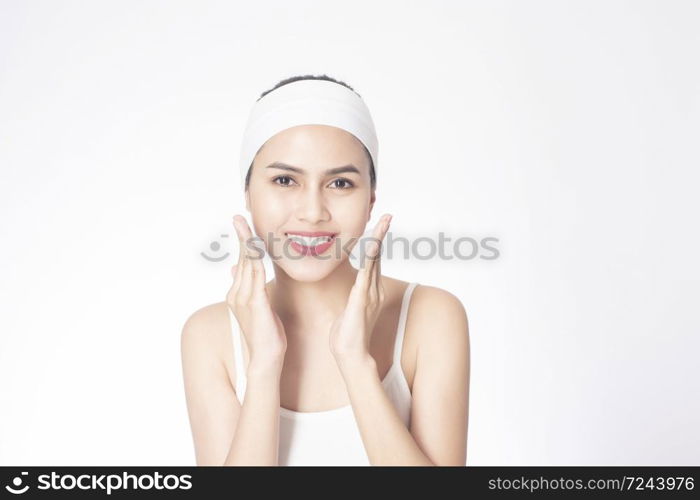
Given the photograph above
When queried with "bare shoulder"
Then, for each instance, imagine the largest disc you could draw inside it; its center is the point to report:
(206, 327)
(439, 300)
(437, 318)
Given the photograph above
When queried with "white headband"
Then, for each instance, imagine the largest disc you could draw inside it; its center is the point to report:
(307, 102)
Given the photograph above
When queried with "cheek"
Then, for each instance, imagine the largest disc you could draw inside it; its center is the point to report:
(268, 215)
(352, 217)
(270, 206)
(352, 231)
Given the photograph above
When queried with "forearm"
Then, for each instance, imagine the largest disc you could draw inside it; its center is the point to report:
(386, 439)
(256, 439)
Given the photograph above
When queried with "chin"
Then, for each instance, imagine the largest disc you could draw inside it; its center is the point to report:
(309, 269)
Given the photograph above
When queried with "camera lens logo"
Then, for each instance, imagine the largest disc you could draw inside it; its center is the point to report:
(215, 246)
(17, 483)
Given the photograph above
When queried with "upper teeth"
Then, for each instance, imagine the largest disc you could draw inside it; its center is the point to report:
(310, 241)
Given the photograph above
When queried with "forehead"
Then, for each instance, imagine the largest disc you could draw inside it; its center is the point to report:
(312, 146)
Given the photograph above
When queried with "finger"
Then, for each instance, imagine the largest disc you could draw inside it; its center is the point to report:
(375, 274)
(377, 286)
(363, 277)
(259, 270)
(379, 232)
(230, 296)
(358, 292)
(259, 279)
(374, 252)
(246, 289)
(246, 286)
(254, 281)
(241, 252)
(234, 272)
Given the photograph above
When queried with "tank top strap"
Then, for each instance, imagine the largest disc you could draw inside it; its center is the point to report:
(398, 342)
(237, 354)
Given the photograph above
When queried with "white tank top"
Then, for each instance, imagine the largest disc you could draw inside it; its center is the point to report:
(331, 437)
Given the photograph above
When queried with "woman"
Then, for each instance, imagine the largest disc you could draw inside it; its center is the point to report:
(326, 364)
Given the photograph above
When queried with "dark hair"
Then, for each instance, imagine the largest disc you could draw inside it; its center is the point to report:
(372, 174)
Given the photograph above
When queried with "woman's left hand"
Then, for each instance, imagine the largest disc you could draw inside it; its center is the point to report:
(351, 332)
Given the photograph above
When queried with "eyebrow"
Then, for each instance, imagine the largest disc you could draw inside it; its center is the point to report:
(331, 171)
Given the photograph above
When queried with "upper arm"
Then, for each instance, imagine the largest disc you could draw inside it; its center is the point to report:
(212, 404)
(440, 409)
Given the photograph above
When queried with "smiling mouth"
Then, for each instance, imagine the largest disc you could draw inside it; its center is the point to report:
(310, 245)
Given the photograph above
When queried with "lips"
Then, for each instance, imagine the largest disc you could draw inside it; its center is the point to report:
(310, 242)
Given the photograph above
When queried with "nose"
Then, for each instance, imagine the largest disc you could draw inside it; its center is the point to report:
(311, 206)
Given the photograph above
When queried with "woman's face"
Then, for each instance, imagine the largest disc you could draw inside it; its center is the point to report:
(296, 187)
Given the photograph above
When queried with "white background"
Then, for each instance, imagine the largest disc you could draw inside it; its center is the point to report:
(569, 130)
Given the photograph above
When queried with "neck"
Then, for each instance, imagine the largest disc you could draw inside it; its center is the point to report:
(303, 304)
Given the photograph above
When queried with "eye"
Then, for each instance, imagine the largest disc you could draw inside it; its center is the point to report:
(348, 183)
(282, 177)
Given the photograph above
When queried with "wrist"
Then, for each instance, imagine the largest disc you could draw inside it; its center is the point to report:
(265, 366)
(356, 362)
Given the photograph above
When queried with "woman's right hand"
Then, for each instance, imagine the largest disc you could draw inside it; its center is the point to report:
(261, 326)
